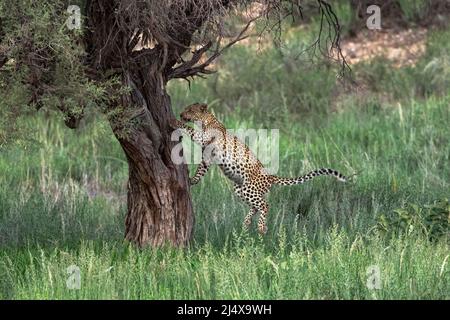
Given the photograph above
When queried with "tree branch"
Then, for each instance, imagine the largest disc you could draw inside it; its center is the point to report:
(331, 49)
(190, 68)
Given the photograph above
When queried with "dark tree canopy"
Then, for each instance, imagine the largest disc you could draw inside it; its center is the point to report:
(171, 38)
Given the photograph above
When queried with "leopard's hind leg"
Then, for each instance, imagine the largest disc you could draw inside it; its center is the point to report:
(255, 199)
(249, 216)
(263, 208)
(251, 213)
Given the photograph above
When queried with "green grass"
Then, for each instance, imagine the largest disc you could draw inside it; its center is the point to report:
(62, 195)
(321, 238)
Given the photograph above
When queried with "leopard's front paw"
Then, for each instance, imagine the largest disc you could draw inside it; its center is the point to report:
(175, 123)
(193, 182)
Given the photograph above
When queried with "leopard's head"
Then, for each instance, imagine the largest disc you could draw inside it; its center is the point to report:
(197, 112)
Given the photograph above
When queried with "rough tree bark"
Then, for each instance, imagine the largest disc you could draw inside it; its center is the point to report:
(159, 203)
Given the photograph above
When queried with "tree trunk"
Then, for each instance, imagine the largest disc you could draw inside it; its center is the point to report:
(159, 203)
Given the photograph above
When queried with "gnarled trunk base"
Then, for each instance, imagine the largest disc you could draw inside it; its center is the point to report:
(159, 204)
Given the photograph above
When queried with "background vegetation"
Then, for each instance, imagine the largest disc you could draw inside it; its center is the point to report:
(62, 193)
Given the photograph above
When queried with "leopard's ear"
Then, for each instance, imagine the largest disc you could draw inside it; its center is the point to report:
(204, 107)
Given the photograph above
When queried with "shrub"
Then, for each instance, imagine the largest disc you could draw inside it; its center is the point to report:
(432, 220)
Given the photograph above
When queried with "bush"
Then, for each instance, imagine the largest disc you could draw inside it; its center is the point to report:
(414, 10)
(430, 220)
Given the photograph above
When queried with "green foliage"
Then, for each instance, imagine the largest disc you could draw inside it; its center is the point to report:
(246, 269)
(431, 220)
(44, 69)
(435, 72)
(429, 76)
(344, 13)
(414, 10)
(13, 110)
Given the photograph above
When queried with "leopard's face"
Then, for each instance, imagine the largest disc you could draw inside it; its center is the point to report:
(197, 112)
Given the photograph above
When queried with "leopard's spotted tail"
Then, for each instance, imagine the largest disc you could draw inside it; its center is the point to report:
(309, 176)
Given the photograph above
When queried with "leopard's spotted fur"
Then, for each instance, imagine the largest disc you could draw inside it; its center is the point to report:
(238, 163)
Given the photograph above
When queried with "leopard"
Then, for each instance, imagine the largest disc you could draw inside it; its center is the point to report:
(251, 180)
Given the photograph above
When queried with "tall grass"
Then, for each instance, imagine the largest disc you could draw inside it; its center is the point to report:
(321, 236)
